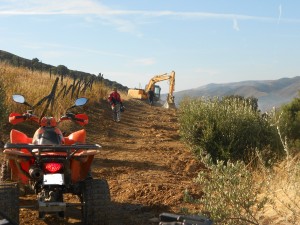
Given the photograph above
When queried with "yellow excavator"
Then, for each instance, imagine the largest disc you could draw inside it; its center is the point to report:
(143, 93)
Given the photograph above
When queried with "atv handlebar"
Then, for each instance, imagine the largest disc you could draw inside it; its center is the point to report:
(81, 119)
(15, 118)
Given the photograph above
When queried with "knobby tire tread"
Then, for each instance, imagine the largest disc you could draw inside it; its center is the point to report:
(9, 202)
(96, 199)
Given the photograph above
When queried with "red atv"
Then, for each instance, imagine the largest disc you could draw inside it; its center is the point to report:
(52, 164)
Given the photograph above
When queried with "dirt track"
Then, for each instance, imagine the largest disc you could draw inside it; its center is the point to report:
(143, 160)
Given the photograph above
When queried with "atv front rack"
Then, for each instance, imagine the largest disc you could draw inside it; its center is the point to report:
(77, 150)
(52, 147)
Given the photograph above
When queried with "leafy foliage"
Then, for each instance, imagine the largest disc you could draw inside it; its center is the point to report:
(227, 129)
(231, 196)
(289, 122)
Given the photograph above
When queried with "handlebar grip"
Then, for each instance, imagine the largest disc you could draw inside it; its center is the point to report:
(70, 115)
(20, 117)
(79, 120)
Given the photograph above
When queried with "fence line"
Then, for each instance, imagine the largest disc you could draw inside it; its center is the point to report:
(79, 86)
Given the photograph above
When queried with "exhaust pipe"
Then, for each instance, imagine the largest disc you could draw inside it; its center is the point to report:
(36, 173)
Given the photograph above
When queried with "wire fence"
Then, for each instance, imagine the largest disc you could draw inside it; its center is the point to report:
(79, 86)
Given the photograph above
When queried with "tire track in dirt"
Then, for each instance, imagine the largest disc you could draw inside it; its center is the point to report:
(146, 165)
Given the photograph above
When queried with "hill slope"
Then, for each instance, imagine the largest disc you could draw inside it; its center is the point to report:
(268, 92)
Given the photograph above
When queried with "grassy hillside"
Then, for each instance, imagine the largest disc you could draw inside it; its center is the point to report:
(36, 85)
(36, 65)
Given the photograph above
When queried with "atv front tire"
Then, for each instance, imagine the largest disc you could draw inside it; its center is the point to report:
(96, 202)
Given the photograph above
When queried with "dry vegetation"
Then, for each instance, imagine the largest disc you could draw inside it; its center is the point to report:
(282, 185)
(36, 85)
(283, 190)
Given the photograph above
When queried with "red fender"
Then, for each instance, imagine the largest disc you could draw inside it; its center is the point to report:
(77, 136)
(19, 137)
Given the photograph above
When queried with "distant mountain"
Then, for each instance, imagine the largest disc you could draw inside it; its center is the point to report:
(269, 93)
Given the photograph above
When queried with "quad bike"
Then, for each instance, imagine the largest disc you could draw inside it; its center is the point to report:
(52, 164)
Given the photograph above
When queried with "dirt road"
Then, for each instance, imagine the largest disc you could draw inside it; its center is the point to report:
(143, 160)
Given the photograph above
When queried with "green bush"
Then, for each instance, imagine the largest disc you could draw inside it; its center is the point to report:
(230, 194)
(289, 123)
(226, 129)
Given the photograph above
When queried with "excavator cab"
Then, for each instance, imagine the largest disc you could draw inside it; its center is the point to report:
(157, 90)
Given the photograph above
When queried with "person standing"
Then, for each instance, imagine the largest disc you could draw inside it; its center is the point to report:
(116, 103)
(150, 96)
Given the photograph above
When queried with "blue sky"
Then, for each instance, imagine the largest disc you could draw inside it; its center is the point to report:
(130, 41)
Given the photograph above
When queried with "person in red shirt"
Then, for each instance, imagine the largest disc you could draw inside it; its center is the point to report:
(116, 104)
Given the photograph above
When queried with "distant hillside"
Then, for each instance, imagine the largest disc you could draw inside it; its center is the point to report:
(268, 92)
(35, 64)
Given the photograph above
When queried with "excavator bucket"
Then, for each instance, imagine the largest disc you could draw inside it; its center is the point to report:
(168, 105)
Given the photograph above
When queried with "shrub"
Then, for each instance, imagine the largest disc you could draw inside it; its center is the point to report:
(228, 129)
(289, 123)
(230, 194)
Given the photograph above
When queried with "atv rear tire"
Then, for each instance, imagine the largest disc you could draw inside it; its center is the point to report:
(5, 172)
(9, 202)
(96, 202)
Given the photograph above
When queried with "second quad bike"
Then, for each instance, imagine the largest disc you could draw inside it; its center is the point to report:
(52, 164)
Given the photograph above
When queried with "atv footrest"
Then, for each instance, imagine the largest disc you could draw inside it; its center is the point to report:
(176, 219)
(52, 206)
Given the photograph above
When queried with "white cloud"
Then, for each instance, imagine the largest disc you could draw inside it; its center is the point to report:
(280, 12)
(92, 7)
(206, 72)
(144, 62)
(122, 19)
(235, 25)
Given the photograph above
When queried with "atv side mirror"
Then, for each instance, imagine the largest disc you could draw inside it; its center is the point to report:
(19, 99)
(81, 101)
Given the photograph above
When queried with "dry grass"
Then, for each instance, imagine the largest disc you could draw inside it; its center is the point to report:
(36, 85)
(283, 190)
